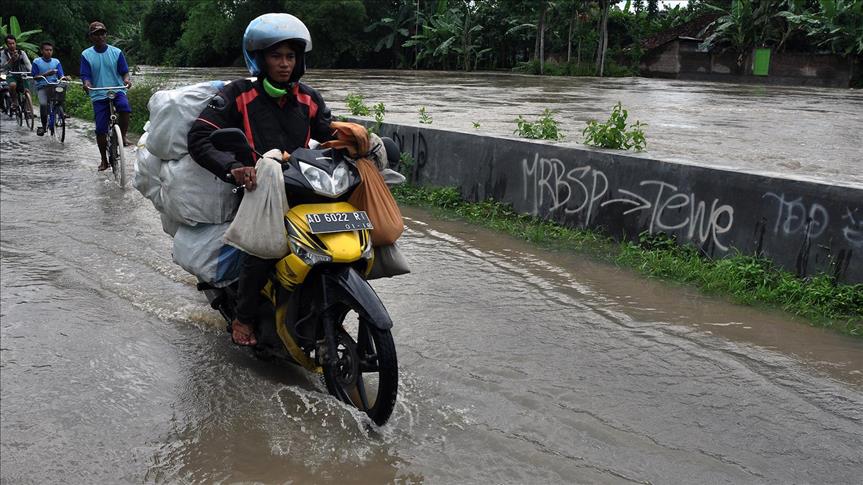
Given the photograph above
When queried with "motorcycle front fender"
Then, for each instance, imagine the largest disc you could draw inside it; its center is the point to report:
(353, 286)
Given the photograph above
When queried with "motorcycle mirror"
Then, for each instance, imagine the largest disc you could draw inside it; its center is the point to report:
(230, 140)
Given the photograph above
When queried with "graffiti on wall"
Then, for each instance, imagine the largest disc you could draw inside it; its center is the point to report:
(548, 184)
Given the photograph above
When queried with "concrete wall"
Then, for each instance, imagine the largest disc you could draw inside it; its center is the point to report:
(805, 227)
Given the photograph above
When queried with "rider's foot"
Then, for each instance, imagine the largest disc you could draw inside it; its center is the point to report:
(127, 143)
(40, 131)
(104, 166)
(242, 334)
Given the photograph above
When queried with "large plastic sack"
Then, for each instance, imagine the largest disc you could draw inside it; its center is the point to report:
(172, 113)
(201, 251)
(170, 226)
(146, 178)
(259, 228)
(192, 195)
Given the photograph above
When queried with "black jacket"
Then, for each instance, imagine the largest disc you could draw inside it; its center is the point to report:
(286, 123)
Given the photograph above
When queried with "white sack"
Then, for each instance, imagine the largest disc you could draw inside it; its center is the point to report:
(172, 113)
(146, 178)
(170, 226)
(192, 195)
(259, 227)
(201, 251)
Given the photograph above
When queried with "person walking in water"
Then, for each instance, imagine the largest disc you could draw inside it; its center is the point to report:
(104, 65)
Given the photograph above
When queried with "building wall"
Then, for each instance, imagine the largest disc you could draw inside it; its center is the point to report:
(679, 59)
(805, 227)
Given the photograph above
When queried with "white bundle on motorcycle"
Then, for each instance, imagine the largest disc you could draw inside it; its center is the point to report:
(147, 169)
(259, 227)
(191, 194)
(200, 250)
(172, 113)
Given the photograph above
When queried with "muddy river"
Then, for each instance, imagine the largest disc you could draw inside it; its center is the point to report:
(517, 365)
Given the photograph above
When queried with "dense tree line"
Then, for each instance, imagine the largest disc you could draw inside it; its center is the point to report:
(541, 36)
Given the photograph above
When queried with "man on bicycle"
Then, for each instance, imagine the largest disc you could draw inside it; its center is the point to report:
(51, 72)
(104, 65)
(13, 59)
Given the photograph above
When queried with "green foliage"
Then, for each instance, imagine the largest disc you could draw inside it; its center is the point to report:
(475, 124)
(614, 132)
(379, 110)
(838, 25)
(545, 128)
(356, 104)
(21, 37)
(425, 118)
(744, 279)
(78, 104)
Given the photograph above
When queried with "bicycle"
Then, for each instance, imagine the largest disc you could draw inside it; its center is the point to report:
(116, 154)
(5, 97)
(56, 114)
(24, 115)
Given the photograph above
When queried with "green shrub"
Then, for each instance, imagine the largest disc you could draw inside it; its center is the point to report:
(78, 104)
(357, 104)
(424, 116)
(614, 133)
(545, 128)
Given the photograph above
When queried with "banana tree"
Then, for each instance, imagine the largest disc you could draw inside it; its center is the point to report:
(394, 30)
(20, 37)
(837, 24)
(449, 33)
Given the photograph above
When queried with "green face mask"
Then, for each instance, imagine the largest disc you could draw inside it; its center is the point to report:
(272, 90)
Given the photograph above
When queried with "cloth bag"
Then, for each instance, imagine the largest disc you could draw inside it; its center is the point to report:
(372, 194)
(259, 226)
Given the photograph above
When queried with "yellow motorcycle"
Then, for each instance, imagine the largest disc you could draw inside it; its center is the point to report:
(321, 313)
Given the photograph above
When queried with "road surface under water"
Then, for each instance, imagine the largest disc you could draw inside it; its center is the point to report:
(516, 365)
(783, 131)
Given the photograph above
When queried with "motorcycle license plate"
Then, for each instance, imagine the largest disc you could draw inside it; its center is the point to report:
(338, 222)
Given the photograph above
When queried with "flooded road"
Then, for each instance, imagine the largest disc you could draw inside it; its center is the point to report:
(516, 365)
(783, 131)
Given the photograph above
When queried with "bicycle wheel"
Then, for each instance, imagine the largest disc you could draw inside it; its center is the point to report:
(118, 165)
(19, 112)
(28, 113)
(60, 123)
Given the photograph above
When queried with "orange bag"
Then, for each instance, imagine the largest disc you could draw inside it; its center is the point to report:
(372, 195)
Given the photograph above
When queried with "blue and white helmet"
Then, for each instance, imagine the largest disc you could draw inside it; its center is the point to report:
(270, 29)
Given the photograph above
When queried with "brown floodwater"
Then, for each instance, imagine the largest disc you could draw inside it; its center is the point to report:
(784, 131)
(517, 364)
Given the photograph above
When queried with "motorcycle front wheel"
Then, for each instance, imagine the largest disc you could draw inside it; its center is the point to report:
(365, 374)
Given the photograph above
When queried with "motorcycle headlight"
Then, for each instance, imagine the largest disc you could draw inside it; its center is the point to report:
(308, 255)
(325, 184)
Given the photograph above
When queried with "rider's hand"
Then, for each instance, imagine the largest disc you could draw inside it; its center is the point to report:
(128, 84)
(86, 86)
(245, 176)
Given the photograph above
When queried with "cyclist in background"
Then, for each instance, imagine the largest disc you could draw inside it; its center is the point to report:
(102, 66)
(13, 59)
(51, 71)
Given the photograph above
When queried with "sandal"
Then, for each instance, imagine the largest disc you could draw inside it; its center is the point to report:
(242, 334)
(104, 167)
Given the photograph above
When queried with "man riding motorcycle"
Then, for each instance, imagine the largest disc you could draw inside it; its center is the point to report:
(274, 111)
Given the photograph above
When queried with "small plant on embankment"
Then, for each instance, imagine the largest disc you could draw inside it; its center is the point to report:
(356, 104)
(544, 128)
(614, 133)
(78, 104)
(380, 110)
(425, 118)
(745, 279)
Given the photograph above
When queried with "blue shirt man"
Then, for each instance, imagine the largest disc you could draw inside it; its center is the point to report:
(50, 71)
(103, 66)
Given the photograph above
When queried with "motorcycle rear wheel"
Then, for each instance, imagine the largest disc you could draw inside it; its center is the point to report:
(365, 374)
